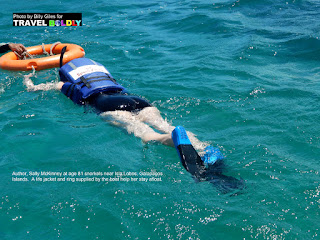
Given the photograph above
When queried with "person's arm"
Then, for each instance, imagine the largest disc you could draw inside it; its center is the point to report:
(69, 89)
(4, 47)
(14, 47)
(42, 86)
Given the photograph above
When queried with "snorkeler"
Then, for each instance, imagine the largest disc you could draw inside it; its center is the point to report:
(87, 82)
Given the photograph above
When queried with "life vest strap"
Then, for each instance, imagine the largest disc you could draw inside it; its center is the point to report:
(87, 81)
(106, 77)
(101, 77)
(84, 80)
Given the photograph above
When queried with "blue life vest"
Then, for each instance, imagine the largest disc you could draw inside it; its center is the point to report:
(84, 77)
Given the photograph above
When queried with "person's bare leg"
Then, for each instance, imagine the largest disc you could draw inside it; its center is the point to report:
(133, 125)
(152, 116)
(164, 138)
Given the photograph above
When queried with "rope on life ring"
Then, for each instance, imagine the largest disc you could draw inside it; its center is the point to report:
(52, 46)
(10, 61)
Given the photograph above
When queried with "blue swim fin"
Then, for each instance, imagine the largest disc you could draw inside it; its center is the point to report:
(189, 157)
(209, 168)
(212, 155)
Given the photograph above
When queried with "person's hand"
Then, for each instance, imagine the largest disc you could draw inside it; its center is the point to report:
(19, 48)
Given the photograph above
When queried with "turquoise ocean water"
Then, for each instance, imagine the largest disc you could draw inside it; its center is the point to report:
(242, 75)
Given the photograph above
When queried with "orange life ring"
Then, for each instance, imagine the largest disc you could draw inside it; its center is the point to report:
(10, 61)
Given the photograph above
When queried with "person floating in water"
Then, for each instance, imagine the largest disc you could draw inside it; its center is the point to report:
(87, 82)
